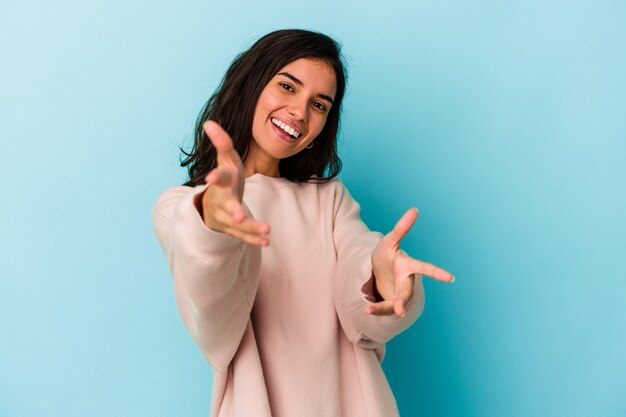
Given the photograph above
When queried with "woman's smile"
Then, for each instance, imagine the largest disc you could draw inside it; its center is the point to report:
(284, 135)
(293, 132)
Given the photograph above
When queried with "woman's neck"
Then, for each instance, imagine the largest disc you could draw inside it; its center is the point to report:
(260, 163)
(250, 170)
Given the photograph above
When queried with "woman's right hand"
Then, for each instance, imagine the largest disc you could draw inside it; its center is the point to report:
(221, 207)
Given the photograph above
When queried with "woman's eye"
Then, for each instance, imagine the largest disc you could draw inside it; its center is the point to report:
(319, 105)
(286, 86)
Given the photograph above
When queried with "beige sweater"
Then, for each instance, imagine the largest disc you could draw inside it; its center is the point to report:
(284, 327)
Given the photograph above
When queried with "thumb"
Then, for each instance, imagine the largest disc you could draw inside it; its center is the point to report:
(219, 138)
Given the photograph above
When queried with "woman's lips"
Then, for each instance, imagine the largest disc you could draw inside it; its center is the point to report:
(282, 134)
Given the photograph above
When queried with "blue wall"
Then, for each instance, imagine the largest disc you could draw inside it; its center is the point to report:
(503, 122)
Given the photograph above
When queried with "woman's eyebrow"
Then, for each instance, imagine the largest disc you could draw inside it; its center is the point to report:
(294, 79)
(300, 83)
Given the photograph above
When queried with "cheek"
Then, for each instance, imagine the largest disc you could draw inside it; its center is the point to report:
(268, 101)
(262, 110)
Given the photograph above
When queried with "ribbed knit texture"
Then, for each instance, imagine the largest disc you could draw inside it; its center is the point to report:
(284, 327)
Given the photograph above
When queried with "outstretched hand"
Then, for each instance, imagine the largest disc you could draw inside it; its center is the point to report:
(395, 271)
(221, 202)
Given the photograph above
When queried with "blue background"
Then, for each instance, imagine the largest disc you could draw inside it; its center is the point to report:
(503, 122)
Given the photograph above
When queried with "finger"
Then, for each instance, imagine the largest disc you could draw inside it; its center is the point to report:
(429, 270)
(403, 296)
(218, 137)
(402, 227)
(235, 210)
(254, 227)
(219, 177)
(239, 215)
(229, 212)
(247, 225)
(253, 239)
(383, 308)
(398, 307)
(223, 197)
(250, 226)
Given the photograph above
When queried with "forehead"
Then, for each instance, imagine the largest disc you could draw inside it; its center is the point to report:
(315, 74)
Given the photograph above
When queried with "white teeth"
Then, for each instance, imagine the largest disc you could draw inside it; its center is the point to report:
(286, 127)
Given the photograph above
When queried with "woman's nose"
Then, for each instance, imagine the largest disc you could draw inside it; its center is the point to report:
(298, 109)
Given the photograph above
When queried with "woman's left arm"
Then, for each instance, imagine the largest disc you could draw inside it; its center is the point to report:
(374, 277)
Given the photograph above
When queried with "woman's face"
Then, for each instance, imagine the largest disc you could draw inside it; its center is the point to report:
(291, 111)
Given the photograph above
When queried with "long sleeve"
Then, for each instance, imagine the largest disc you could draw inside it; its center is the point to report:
(215, 275)
(353, 285)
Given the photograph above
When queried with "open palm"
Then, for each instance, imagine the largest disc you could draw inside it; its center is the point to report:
(221, 204)
(395, 271)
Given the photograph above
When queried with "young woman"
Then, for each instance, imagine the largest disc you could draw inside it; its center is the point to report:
(287, 293)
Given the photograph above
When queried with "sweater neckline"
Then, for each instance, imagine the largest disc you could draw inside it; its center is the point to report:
(272, 182)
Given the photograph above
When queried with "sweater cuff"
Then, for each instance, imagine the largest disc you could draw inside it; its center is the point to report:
(369, 292)
(370, 295)
(382, 328)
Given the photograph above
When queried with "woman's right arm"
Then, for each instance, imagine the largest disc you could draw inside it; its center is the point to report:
(213, 248)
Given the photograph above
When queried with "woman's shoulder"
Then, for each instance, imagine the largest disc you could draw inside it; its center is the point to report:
(335, 185)
(171, 197)
(175, 192)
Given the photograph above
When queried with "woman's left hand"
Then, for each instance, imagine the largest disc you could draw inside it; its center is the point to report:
(395, 271)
